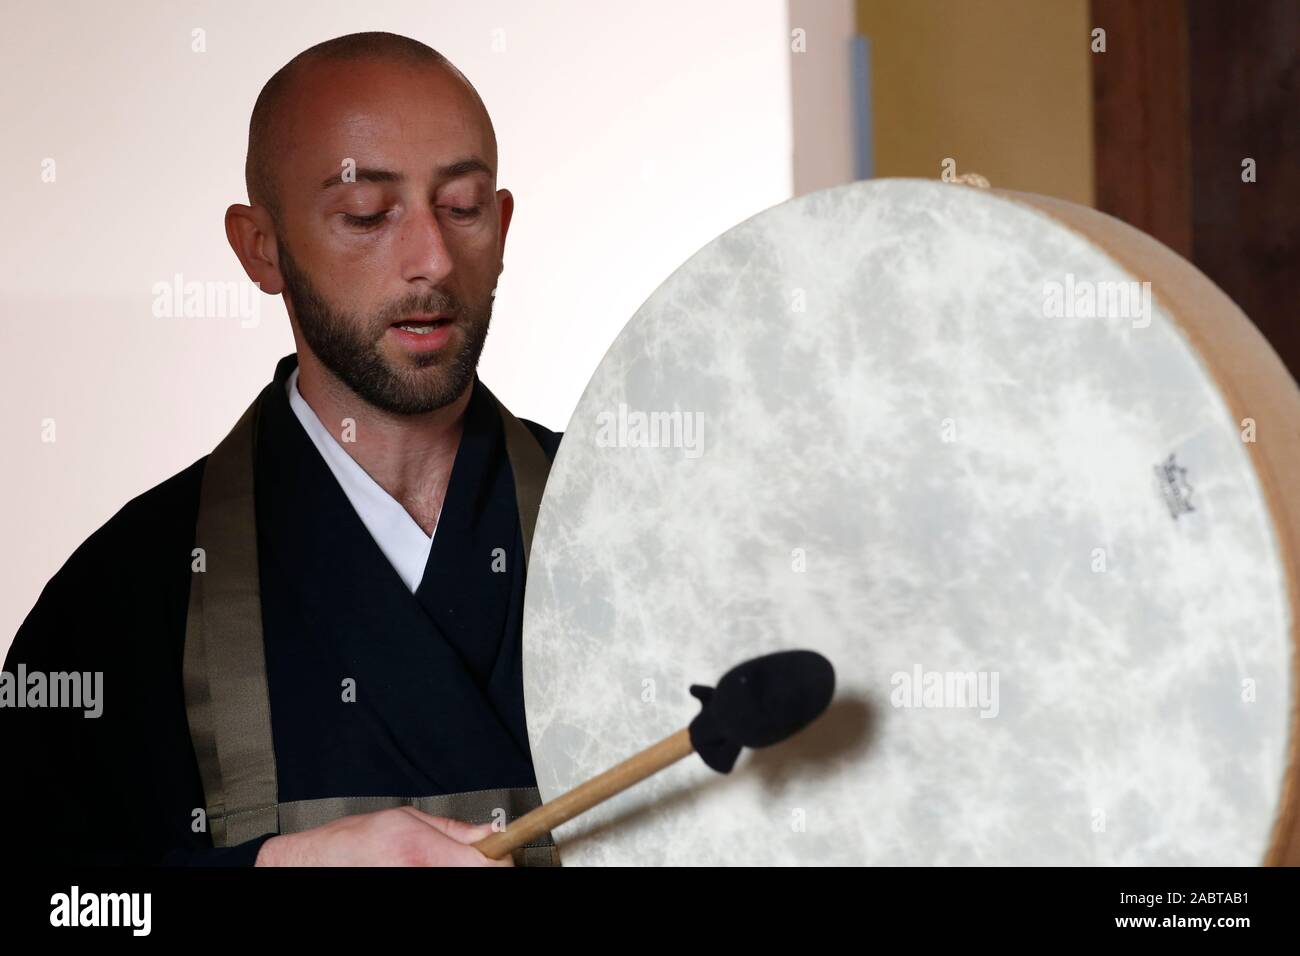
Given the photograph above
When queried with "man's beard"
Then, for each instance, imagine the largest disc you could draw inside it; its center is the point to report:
(349, 346)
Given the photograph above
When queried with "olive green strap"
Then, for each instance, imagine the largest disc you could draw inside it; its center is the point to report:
(226, 696)
(531, 468)
(227, 701)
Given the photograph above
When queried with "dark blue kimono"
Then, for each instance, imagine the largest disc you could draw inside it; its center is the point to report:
(438, 674)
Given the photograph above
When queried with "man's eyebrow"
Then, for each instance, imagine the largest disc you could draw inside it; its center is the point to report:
(464, 166)
(367, 174)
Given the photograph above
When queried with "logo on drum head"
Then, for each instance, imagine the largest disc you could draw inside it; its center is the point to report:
(1174, 486)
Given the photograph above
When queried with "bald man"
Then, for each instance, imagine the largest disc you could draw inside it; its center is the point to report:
(310, 640)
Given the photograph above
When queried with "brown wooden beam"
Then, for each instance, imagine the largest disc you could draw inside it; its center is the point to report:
(1140, 118)
(1245, 95)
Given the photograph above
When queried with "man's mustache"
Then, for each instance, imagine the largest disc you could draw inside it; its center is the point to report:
(391, 314)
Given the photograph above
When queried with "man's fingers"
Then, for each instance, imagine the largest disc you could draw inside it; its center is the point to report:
(458, 830)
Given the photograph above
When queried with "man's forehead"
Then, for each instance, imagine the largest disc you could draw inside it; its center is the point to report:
(381, 114)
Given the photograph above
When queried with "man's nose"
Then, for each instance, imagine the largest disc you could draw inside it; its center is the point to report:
(423, 249)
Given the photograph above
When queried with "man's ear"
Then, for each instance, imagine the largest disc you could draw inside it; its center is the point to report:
(251, 234)
(506, 203)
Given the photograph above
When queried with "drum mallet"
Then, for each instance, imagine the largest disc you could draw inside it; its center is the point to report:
(756, 704)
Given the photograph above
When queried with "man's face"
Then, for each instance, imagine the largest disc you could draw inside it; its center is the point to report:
(390, 273)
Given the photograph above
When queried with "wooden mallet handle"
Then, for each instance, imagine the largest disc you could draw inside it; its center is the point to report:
(756, 704)
(581, 798)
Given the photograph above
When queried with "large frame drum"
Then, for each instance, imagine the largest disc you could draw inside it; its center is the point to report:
(1042, 518)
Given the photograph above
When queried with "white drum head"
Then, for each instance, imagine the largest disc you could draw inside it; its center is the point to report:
(1033, 543)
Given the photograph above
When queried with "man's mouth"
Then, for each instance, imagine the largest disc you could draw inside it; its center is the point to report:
(423, 334)
(422, 325)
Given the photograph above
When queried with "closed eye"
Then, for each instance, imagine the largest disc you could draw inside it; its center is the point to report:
(365, 222)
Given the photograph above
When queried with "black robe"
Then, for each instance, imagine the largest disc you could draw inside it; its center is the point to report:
(438, 674)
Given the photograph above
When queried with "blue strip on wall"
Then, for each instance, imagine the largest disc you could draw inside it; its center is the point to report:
(863, 159)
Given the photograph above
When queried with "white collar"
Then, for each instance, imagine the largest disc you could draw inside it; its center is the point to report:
(401, 540)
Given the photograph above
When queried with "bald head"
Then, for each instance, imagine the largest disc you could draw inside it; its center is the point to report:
(269, 124)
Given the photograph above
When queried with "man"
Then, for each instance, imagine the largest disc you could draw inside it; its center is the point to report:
(310, 639)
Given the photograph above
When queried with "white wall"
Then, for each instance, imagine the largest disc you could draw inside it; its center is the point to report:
(630, 135)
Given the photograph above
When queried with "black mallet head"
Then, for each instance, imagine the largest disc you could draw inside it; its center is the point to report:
(759, 703)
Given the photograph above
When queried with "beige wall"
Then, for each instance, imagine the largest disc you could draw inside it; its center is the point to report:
(1001, 86)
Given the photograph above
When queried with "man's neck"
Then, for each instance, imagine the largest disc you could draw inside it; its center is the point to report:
(409, 456)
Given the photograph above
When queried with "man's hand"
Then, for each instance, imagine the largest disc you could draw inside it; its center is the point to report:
(402, 836)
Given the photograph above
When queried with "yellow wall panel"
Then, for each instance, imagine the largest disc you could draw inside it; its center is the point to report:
(1001, 86)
